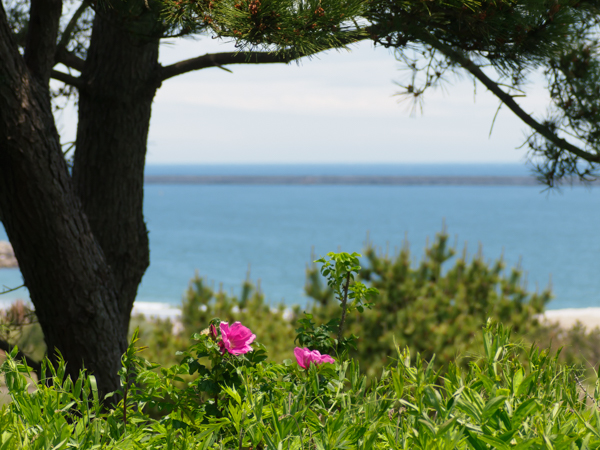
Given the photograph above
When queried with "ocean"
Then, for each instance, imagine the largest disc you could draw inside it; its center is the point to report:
(224, 232)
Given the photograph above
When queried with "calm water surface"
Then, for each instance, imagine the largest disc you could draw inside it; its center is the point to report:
(220, 231)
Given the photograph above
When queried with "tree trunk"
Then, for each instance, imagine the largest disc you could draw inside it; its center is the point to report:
(63, 266)
(119, 81)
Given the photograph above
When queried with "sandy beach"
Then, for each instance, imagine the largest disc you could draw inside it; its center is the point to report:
(566, 318)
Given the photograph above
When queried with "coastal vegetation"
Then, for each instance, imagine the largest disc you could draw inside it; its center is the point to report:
(433, 306)
(447, 353)
(225, 392)
(74, 211)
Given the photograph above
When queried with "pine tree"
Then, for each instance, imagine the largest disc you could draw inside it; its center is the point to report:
(76, 223)
(499, 42)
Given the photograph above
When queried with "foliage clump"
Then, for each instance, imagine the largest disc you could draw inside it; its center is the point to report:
(507, 397)
(293, 28)
(431, 307)
(224, 392)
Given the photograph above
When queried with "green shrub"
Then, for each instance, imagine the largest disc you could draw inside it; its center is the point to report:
(434, 306)
(437, 305)
(431, 308)
(276, 327)
(497, 402)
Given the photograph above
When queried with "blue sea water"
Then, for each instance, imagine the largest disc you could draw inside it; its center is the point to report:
(222, 230)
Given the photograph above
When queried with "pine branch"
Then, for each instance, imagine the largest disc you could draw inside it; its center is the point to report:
(66, 78)
(69, 59)
(220, 60)
(70, 28)
(506, 98)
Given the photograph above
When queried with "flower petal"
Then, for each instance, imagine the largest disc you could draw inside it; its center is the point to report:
(301, 358)
(237, 338)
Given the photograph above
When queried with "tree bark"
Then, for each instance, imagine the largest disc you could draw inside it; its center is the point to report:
(118, 83)
(44, 16)
(70, 284)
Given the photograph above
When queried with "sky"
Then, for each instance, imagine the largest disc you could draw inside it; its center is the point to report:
(337, 107)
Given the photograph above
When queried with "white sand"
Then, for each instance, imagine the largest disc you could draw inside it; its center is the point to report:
(157, 310)
(566, 318)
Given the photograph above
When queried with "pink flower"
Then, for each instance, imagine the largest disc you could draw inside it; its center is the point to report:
(304, 356)
(236, 339)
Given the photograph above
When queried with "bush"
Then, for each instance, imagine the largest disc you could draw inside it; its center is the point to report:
(275, 325)
(432, 308)
(436, 306)
(242, 402)
(224, 393)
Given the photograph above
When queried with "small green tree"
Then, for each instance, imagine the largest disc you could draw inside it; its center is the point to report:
(433, 307)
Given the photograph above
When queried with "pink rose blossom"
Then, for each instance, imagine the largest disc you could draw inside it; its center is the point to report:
(304, 356)
(236, 339)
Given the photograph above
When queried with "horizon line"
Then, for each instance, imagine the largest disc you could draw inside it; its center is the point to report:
(313, 163)
(376, 180)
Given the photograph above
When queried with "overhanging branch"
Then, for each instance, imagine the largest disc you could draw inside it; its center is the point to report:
(69, 59)
(252, 57)
(506, 98)
(66, 78)
(68, 33)
(219, 60)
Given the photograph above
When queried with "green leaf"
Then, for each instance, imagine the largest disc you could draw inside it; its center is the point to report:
(524, 410)
(524, 445)
(472, 438)
(5, 439)
(524, 385)
(426, 422)
(60, 444)
(398, 382)
(494, 442)
(433, 399)
(446, 426)
(231, 391)
(469, 408)
(517, 380)
(492, 406)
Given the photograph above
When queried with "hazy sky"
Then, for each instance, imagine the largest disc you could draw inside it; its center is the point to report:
(335, 107)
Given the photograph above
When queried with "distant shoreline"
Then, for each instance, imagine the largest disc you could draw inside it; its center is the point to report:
(350, 180)
(566, 318)
(589, 317)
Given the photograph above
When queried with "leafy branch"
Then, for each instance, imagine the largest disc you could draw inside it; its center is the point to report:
(340, 270)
